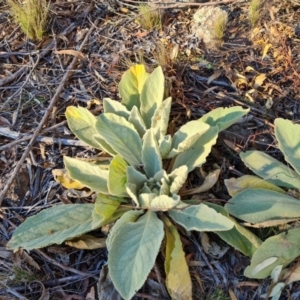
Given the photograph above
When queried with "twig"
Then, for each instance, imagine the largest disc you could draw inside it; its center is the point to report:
(28, 137)
(44, 119)
(206, 261)
(68, 269)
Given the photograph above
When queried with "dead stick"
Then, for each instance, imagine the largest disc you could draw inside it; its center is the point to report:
(29, 136)
(44, 119)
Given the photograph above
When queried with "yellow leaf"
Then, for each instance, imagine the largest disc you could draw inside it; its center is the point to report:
(62, 176)
(140, 73)
(259, 80)
(237, 185)
(72, 112)
(266, 49)
(178, 279)
(87, 241)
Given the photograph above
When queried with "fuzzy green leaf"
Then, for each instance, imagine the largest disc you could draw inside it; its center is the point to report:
(201, 218)
(224, 117)
(88, 174)
(53, 226)
(165, 146)
(136, 119)
(196, 155)
(237, 185)
(163, 203)
(186, 136)
(238, 237)
(122, 137)
(117, 177)
(106, 205)
(134, 242)
(270, 169)
(135, 177)
(260, 205)
(130, 216)
(145, 199)
(115, 107)
(177, 178)
(288, 135)
(83, 124)
(160, 120)
(285, 247)
(152, 95)
(150, 154)
(132, 191)
(131, 86)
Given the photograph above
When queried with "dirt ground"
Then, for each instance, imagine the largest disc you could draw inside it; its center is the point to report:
(255, 66)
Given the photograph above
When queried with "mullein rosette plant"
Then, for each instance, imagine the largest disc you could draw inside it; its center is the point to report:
(272, 200)
(134, 189)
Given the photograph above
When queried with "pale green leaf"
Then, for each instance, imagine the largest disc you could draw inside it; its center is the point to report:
(145, 199)
(136, 119)
(130, 216)
(224, 117)
(196, 155)
(238, 237)
(163, 203)
(135, 177)
(165, 146)
(186, 136)
(87, 241)
(115, 107)
(285, 246)
(122, 137)
(150, 154)
(134, 242)
(201, 218)
(53, 226)
(177, 178)
(132, 191)
(288, 137)
(259, 205)
(117, 177)
(160, 119)
(237, 185)
(88, 174)
(270, 169)
(83, 124)
(165, 187)
(178, 279)
(152, 95)
(131, 85)
(106, 205)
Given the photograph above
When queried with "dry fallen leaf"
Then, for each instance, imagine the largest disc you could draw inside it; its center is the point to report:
(78, 54)
(87, 241)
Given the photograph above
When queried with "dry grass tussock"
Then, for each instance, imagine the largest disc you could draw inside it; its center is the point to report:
(32, 16)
